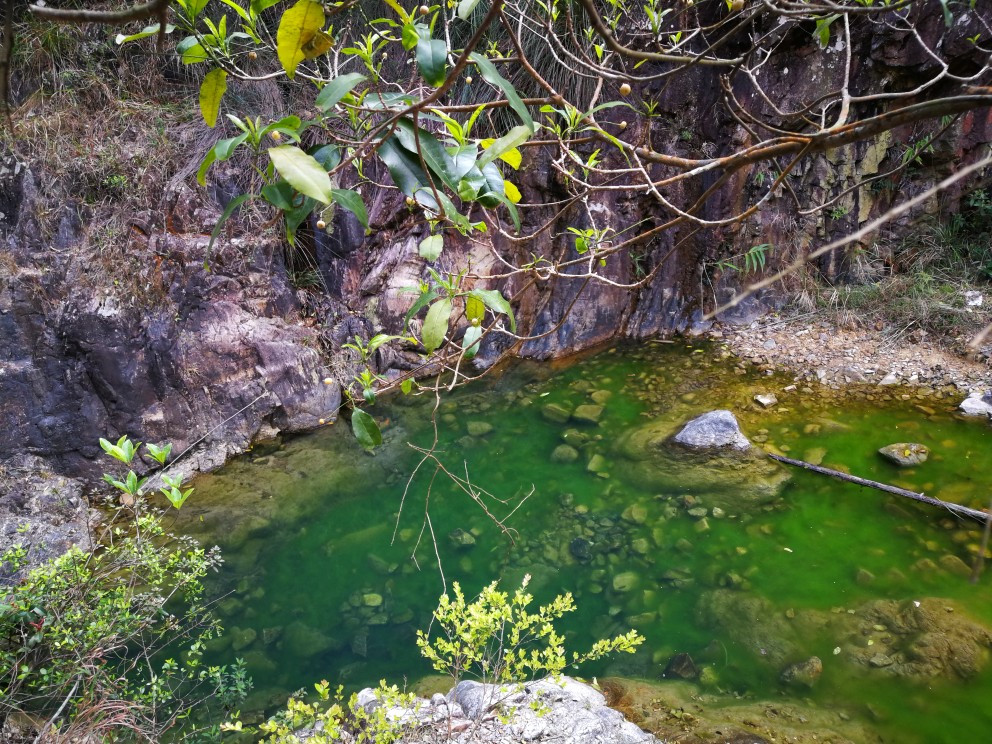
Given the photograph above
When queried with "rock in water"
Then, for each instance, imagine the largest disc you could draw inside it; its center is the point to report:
(564, 453)
(581, 549)
(681, 666)
(977, 404)
(713, 430)
(460, 539)
(905, 454)
(766, 400)
(803, 674)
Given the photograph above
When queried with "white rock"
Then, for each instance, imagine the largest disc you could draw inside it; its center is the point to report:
(973, 298)
(767, 400)
(977, 404)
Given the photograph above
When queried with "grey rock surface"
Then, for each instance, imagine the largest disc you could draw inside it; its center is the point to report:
(713, 430)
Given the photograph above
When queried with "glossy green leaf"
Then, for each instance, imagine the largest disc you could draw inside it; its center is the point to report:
(297, 27)
(144, 33)
(432, 59)
(465, 8)
(191, 51)
(488, 72)
(228, 211)
(335, 90)
(280, 195)
(497, 303)
(475, 309)
(406, 172)
(302, 172)
(425, 299)
(212, 90)
(433, 152)
(470, 341)
(430, 247)
(352, 201)
(436, 324)
(365, 429)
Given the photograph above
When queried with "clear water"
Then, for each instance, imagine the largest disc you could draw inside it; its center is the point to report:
(311, 530)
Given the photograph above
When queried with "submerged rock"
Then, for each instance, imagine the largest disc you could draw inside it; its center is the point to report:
(681, 666)
(905, 454)
(564, 453)
(804, 674)
(460, 539)
(713, 430)
(556, 413)
(587, 414)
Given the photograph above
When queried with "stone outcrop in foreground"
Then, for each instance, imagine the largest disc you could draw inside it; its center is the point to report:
(541, 711)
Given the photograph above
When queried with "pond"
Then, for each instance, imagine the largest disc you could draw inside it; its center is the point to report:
(749, 571)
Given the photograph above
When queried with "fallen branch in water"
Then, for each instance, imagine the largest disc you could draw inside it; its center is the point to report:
(981, 516)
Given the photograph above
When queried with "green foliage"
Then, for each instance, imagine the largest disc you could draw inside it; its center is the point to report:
(497, 639)
(750, 261)
(119, 628)
(333, 719)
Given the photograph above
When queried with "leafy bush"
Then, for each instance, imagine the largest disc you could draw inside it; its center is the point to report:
(108, 642)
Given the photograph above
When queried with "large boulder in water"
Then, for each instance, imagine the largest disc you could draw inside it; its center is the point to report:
(713, 430)
(977, 404)
(708, 457)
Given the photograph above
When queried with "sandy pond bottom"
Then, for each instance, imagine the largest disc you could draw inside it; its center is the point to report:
(746, 574)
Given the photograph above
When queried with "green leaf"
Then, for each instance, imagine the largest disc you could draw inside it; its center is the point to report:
(302, 172)
(365, 429)
(406, 172)
(280, 195)
(510, 207)
(465, 8)
(430, 247)
(432, 59)
(211, 92)
(298, 25)
(143, 33)
(470, 341)
(823, 29)
(948, 18)
(488, 71)
(245, 15)
(425, 299)
(406, 386)
(191, 51)
(228, 211)
(436, 324)
(497, 303)
(335, 90)
(409, 36)
(433, 152)
(475, 309)
(219, 152)
(259, 5)
(352, 201)
(509, 141)
(328, 156)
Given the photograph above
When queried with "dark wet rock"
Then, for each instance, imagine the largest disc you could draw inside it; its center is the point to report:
(581, 549)
(713, 430)
(461, 539)
(803, 674)
(681, 666)
(905, 454)
(563, 454)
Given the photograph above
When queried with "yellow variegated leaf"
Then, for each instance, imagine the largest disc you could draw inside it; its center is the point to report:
(211, 91)
(511, 191)
(317, 46)
(512, 156)
(297, 27)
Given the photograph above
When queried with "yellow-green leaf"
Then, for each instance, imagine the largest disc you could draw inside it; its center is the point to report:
(302, 172)
(512, 156)
(211, 91)
(317, 46)
(297, 27)
(512, 192)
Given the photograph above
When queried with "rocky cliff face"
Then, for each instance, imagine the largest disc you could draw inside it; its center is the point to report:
(142, 331)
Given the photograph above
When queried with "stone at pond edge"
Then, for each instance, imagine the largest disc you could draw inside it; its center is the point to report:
(804, 674)
(766, 400)
(681, 666)
(977, 404)
(905, 454)
(713, 430)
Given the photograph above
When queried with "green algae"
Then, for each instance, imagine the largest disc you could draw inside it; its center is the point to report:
(310, 532)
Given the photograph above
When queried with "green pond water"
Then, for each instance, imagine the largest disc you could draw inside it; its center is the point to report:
(324, 581)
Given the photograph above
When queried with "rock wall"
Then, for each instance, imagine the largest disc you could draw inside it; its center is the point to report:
(153, 335)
